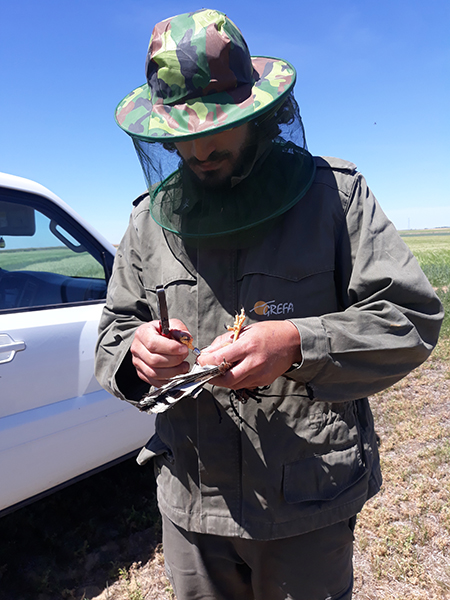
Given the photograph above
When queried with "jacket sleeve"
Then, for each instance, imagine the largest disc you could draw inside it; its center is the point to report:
(390, 318)
(125, 310)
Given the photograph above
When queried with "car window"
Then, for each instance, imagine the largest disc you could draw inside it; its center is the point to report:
(45, 259)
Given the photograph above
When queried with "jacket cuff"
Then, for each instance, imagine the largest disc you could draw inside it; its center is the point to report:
(314, 346)
(126, 384)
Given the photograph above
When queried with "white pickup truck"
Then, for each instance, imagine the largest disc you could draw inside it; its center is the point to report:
(56, 423)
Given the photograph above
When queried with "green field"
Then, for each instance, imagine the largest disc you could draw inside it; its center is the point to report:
(432, 250)
(60, 260)
(431, 247)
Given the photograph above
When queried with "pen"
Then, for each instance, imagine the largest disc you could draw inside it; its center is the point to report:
(163, 312)
(181, 336)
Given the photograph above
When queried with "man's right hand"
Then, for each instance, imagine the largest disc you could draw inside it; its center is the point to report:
(157, 358)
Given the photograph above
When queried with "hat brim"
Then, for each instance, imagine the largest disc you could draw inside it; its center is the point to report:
(141, 119)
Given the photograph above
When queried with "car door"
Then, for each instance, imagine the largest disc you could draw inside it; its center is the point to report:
(56, 422)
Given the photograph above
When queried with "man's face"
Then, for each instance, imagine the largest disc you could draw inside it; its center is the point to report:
(215, 158)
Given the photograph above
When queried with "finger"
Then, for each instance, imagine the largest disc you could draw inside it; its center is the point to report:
(158, 376)
(248, 370)
(233, 381)
(177, 325)
(150, 338)
(158, 353)
(222, 349)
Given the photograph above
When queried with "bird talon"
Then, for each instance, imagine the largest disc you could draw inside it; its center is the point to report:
(237, 325)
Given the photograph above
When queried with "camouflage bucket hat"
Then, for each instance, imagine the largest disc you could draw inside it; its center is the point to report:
(201, 77)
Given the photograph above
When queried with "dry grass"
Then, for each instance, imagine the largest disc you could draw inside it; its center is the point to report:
(140, 582)
(403, 534)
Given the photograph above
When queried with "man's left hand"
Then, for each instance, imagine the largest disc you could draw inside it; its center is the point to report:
(262, 352)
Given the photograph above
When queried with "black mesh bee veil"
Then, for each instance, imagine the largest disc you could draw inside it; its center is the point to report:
(276, 170)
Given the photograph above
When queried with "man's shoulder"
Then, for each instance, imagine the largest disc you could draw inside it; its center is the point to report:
(141, 206)
(137, 201)
(336, 174)
(140, 214)
(335, 164)
(335, 181)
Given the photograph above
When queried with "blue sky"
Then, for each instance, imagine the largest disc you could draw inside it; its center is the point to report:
(373, 87)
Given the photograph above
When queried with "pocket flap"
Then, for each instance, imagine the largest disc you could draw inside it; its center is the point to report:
(322, 477)
(154, 447)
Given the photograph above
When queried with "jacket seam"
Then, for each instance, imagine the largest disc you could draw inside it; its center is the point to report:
(328, 269)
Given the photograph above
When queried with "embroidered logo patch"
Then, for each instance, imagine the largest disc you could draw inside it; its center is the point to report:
(272, 308)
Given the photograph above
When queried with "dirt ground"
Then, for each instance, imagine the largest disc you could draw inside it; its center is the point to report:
(101, 539)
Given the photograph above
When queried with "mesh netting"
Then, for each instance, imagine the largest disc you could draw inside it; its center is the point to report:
(275, 172)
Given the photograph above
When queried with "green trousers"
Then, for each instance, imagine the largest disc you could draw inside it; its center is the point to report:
(313, 566)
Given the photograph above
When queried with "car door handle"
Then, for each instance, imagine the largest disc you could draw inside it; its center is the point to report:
(9, 347)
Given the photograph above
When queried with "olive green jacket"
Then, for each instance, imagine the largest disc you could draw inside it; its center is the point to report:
(305, 456)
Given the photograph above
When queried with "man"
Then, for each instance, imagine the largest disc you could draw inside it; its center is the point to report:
(258, 496)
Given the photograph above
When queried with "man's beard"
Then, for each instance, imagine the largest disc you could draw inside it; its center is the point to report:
(214, 180)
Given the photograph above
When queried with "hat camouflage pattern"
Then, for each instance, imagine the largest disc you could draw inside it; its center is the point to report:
(201, 77)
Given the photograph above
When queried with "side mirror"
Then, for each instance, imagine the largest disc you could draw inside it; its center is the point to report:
(16, 219)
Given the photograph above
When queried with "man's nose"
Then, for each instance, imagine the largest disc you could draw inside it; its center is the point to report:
(202, 148)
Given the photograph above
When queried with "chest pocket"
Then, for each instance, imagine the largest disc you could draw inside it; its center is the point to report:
(274, 297)
(291, 274)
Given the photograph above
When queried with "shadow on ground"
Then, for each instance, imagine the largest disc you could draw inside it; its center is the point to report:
(80, 539)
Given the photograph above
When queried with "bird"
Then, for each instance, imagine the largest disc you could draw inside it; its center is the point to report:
(191, 384)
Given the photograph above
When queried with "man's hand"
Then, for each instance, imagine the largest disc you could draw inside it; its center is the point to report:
(262, 352)
(156, 357)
